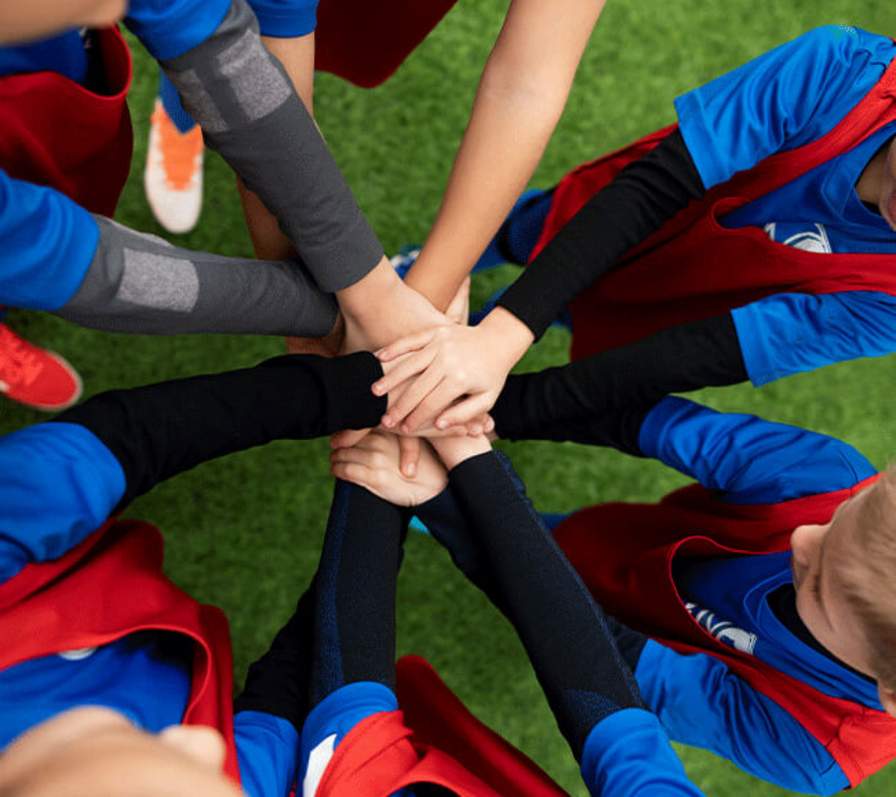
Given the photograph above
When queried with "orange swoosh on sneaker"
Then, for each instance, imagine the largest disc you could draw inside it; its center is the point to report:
(179, 150)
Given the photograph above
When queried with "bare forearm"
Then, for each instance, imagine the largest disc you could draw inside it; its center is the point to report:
(521, 96)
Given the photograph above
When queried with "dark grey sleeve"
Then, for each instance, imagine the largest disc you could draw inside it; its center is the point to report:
(141, 283)
(250, 113)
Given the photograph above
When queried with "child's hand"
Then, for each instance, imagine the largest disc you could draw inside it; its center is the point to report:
(454, 450)
(445, 363)
(373, 464)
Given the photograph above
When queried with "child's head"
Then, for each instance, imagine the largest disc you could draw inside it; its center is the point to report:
(845, 578)
(36, 19)
(98, 752)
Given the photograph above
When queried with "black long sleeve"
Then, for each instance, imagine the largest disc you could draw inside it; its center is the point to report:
(278, 682)
(158, 431)
(565, 632)
(634, 205)
(603, 399)
(354, 619)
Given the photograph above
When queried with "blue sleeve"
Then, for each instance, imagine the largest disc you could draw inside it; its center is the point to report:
(700, 702)
(47, 243)
(60, 483)
(170, 28)
(786, 98)
(749, 459)
(285, 19)
(793, 332)
(629, 754)
(331, 720)
(267, 748)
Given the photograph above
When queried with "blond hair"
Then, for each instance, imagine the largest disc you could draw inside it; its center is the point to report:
(869, 580)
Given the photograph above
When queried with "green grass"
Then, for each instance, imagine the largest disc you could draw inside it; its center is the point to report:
(245, 532)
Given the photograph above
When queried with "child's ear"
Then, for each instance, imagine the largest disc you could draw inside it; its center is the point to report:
(887, 699)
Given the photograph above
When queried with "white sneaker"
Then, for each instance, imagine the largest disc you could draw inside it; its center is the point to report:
(173, 176)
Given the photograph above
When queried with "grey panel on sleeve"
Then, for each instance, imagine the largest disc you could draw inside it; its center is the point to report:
(139, 283)
(251, 115)
(155, 280)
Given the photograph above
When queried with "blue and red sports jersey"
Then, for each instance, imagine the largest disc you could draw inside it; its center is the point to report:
(747, 460)
(59, 484)
(780, 101)
(47, 242)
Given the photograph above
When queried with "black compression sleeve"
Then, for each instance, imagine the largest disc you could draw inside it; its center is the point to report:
(634, 205)
(602, 399)
(564, 631)
(354, 620)
(158, 431)
(278, 682)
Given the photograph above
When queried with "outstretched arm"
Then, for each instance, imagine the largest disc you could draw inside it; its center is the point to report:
(520, 99)
(621, 747)
(62, 479)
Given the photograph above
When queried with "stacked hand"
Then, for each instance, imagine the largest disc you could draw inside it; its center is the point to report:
(450, 375)
(373, 463)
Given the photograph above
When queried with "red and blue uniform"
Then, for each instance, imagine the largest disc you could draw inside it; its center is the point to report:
(706, 574)
(781, 240)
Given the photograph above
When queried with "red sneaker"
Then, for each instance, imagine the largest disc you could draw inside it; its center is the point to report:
(35, 377)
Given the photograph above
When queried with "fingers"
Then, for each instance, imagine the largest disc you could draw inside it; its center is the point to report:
(428, 409)
(468, 412)
(356, 473)
(348, 438)
(459, 309)
(412, 397)
(409, 457)
(410, 366)
(407, 344)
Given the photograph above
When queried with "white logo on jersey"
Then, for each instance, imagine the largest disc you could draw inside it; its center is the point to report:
(78, 654)
(807, 240)
(737, 638)
(317, 765)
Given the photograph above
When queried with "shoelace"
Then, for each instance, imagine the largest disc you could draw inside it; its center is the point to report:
(19, 363)
(179, 150)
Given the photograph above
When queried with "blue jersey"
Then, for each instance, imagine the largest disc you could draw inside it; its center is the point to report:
(59, 484)
(782, 100)
(747, 460)
(47, 242)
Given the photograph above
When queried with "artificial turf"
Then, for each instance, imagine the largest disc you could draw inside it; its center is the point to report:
(244, 532)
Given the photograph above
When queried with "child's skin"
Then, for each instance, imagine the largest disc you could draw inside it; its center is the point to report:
(98, 751)
(20, 23)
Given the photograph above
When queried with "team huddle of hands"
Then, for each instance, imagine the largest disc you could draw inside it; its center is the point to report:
(440, 381)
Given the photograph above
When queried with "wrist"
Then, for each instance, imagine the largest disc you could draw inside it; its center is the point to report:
(360, 300)
(512, 338)
(453, 451)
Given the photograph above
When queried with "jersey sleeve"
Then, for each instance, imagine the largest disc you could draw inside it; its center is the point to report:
(783, 99)
(59, 484)
(267, 748)
(793, 332)
(285, 19)
(47, 243)
(699, 702)
(629, 754)
(170, 28)
(331, 720)
(750, 460)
